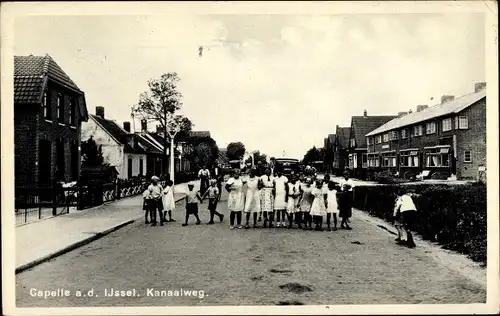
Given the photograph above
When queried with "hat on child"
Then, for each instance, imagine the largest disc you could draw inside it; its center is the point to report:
(191, 184)
(154, 178)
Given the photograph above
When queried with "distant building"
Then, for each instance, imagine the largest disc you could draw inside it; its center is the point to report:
(48, 111)
(340, 149)
(360, 126)
(445, 139)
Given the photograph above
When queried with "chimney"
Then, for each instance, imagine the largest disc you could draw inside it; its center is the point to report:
(400, 114)
(99, 111)
(159, 130)
(410, 111)
(479, 86)
(422, 107)
(126, 126)
(365, 113)
(447, 98)
(144, 125)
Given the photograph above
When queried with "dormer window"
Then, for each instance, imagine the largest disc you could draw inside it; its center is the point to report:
(47, 109)
(60, 108)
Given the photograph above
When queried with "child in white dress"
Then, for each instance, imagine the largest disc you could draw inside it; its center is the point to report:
(168, 201)
(318, 208)
(236, 199)
(280, 198)
(252, 203)
(293, 194)
(266, 195)
(331, 206)
(305, 202)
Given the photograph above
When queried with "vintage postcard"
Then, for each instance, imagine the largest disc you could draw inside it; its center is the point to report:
(250, 158)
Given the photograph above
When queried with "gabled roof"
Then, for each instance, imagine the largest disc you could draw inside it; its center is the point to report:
(343, 136)
(450, 107)
(119, 135)
(31, 74)
(362, 125)
(146, 144)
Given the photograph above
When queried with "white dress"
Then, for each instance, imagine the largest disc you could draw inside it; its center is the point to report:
(252, 203)
(266, 194)
(307, 197)
(293, 197)
(332, 202)
(168, 199)
(280, 198)
(236, 200)
(318, 206)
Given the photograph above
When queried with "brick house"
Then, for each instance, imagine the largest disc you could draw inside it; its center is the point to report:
(360, 126)
(445, 139)
(49, 109)
(120, 147)
(340, 149)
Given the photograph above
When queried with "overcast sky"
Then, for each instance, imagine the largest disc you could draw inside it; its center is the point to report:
(277, 83)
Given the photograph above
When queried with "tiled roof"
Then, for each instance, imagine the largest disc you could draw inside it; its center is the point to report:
(30, 79)
(343, 136)
(435, 111)
(146, 144)
(362, 125)
(112, 128)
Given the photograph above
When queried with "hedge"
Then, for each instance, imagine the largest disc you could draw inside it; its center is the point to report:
(452, 215)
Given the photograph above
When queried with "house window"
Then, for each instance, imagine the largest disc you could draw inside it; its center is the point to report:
(60, 163)
(378, 139)
(44, 162)
(60, 108)
(386, 138)
(369, 141)
(467, 156)
(446, 125)
(404, 133)
(377, 162)
(394, 135)
(463, 122)
(364, 160)
(353, 142)
(74, 161)
(389, 160)
(72, 112)
(141, 167)
(417, 130)
(430, 128)
(129, 168)
(438, 158)
(47, 109)
(409, 159)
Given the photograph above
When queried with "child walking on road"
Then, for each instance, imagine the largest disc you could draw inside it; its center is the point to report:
(192, 198)
(213, 198)
(404, 213)
(168, 201)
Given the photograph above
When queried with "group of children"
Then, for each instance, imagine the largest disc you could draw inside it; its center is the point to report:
(299, 200)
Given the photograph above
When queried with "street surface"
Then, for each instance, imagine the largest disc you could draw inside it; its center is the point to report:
(246, 267)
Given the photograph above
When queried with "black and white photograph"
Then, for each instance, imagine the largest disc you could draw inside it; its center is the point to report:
(254, 157)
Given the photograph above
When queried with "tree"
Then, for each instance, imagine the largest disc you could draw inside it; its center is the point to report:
(92, 154)
(203, 150)
(257, 156)
(235, 151)
(161, 104)
(313, 154)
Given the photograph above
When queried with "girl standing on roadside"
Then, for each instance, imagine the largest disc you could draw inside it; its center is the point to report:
(305, 202)
(280, 198)
(252, 203)
(168, 201)
(236, 200)
(345, 205)
(318, 207)
(266, 195)
(332, 206)
(293, 194)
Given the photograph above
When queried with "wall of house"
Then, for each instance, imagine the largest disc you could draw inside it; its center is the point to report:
(112, 151)
(472, 139)
(25, 144)
(136, 160)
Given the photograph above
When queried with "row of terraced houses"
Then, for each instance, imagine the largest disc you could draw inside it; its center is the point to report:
(51, 120)
(444, 141)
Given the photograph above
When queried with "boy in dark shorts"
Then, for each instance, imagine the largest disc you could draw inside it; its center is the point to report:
(213, 197)
(192, 198)
(404, 215)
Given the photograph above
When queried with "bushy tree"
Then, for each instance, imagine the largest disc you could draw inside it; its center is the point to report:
(235, 151)
(203, 150)
(92, 154)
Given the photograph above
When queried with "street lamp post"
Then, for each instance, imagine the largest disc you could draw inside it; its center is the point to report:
(172, 132)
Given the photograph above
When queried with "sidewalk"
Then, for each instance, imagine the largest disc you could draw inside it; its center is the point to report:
(46, 239)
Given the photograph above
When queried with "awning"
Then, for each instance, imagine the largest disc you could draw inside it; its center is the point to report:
(438, 147)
